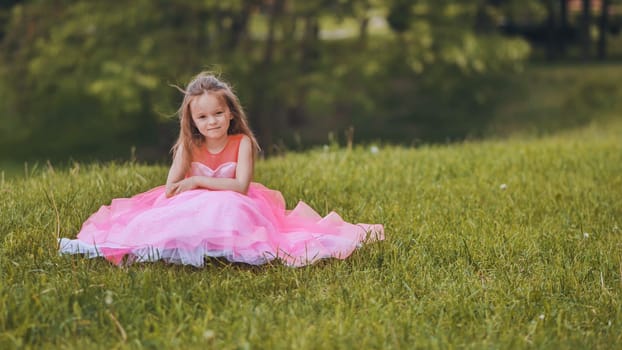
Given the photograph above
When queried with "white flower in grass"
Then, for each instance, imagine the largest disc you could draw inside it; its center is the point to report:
(374, 149)
(541, 317)
(586, 235)
(503, 186)
(108, 298)
(325, 148)
(208, 334)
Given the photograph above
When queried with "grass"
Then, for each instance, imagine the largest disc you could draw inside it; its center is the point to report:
(547, 98)
(495, 244)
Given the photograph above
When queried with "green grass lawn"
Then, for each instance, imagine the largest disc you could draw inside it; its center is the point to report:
(550, 97)
(495, 244)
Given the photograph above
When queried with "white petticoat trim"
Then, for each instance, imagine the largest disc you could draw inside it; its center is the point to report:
(171, 255)
(195, 257)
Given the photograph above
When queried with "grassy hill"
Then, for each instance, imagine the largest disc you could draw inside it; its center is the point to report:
(500, 244)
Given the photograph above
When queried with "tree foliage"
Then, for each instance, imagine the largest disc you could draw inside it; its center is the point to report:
(77, 74)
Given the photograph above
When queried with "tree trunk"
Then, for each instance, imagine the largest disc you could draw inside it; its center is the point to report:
(550, 30)
(239, 26)
(308, 45)
(269, 51)
(563, 30)
(261, 82)
(586, 20)
(363, 26)
(203, 39)
(289, 25)
(604, 26)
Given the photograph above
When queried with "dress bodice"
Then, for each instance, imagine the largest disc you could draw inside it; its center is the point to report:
(221, 164)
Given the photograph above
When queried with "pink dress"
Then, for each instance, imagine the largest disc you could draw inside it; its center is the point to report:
(254, 228)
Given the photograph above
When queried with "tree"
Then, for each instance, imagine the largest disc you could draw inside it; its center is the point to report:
(586, 22)
(603, 29)
(87, 72)
(564, 28)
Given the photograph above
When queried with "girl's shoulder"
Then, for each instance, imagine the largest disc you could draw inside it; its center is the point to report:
(243, 145)
(235, 142)
(233, 145)
(237, 139)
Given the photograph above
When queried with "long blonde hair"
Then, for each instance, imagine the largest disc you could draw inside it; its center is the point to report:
(189, 135)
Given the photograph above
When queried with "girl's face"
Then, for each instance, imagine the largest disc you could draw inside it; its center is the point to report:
(211, 116)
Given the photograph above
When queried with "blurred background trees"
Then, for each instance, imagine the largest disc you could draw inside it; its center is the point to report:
(92, 78)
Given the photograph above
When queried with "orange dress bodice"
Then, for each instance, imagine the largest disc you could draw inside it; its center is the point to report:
(221, 164)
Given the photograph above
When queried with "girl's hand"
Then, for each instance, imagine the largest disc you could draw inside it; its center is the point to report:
(170, 190)
(181, 186)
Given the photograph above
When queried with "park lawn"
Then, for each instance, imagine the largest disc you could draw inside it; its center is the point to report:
(495, 244)
(547, 98)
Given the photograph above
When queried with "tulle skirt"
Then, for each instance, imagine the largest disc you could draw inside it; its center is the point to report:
(255, 228)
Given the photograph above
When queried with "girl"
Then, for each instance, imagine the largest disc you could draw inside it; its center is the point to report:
(209, 206)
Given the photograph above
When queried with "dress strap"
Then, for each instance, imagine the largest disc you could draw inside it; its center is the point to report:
(230, 153)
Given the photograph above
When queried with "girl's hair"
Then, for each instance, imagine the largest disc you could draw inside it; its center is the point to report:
(189, 135)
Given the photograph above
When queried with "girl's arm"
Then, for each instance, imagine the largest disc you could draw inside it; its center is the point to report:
(243, 174)
(175, 173)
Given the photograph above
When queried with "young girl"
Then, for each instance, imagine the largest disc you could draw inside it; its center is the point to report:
(210, 207)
